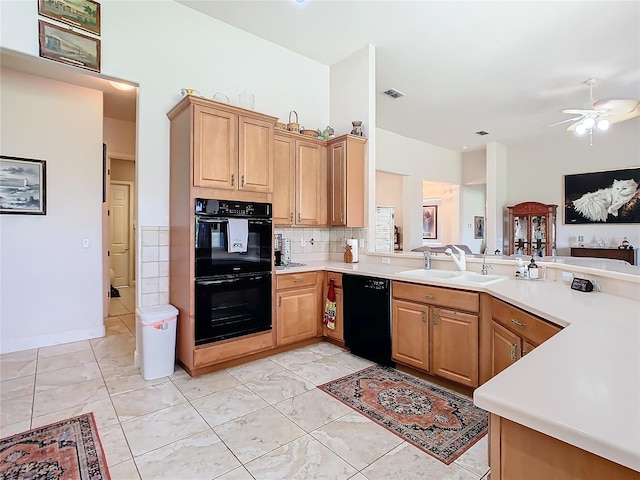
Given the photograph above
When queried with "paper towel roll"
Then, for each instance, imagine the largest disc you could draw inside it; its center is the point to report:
(353, 242)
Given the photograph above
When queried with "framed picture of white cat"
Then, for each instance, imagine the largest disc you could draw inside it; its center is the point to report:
(602, 197)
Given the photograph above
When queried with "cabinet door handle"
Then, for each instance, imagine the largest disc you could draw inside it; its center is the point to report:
(520, 324)
(242, 181)
(513, 352)
(299, 217)
(298, 280)
(341, 217)
(279, 301)
(435, 319)
(424, 319)
(233, 179)
(431, 297)
(291, 217)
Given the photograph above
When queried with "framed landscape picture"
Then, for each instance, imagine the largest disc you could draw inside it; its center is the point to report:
(23, 186)
(602, 197)
(69, 47)
(84, 14)
(429, 222)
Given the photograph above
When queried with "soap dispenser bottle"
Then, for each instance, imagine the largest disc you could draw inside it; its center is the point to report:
(533, 269)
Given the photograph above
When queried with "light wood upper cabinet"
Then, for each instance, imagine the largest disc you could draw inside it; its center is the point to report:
(300, 183)
(410, 334)
(232, 148)
(215, 148)
(255, 155)
(284, 180)
(455, 346)
(346, 181)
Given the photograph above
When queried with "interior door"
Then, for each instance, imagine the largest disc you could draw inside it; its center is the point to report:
(120, 238)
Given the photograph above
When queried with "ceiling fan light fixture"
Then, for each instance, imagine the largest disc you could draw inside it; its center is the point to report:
(589, 122)
(580, 130)
(603, 125)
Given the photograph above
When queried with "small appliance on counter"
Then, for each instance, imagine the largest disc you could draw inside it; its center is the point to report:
(277, 249)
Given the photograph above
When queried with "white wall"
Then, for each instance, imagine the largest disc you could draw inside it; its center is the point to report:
(389, 188)
(415, 160)
(474, 167)
(536, 169)
(496, 197)
(176, 47)
(472, 204)
(51, 287)
(120, 137)
(446, 197)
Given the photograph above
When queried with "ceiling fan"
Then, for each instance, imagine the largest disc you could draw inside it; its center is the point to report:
(603, 114)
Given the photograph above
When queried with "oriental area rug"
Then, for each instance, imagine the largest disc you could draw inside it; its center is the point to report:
(66, 450)
(440, 422)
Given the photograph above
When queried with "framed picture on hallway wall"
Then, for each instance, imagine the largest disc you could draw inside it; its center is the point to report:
(478, 227)
(65, 46)
(23, 186)
(84, 14)
(429, 222)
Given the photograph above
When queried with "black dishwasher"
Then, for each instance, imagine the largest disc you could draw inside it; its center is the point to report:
(367, 317)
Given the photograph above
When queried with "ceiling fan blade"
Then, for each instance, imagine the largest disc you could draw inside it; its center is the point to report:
(617, 105)
(578, 111)
(564, 121)
(621, 117)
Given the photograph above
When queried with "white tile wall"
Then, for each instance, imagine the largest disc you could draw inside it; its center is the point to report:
(325, 240)
(155, 266)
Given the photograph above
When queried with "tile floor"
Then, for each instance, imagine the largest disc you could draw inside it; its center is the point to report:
(261, 420)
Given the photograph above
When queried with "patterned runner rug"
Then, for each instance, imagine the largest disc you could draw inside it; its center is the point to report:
(66, 450)
(439, 421)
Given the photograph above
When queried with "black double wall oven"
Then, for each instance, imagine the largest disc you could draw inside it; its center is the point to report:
(233, 263)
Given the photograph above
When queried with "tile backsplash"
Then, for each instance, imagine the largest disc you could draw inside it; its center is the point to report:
(321, 240)
(154, 278)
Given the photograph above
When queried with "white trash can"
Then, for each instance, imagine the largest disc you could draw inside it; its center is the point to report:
(156, 339)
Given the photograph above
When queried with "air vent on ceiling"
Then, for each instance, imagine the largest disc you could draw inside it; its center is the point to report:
(393, 93)
(482, 133)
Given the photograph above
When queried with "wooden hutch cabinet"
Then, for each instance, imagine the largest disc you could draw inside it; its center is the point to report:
(532, 229)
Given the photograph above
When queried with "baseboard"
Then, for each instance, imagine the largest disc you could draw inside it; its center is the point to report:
(27, 343)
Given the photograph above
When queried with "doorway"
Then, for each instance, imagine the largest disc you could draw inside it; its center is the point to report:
(122, 235)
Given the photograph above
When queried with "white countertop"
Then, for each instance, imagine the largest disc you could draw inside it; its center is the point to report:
(582, 386)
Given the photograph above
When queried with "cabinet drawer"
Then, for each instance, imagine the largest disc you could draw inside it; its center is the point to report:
(294, 280)
(336, 277)
(442, 297)
(230, 349)
(522, 323)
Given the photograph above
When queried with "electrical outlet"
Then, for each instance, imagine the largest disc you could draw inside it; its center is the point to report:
(85, 243)
(361, 243)
(303, 242)
(385, 260)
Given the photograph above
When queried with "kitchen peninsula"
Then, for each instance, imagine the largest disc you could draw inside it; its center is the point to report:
(582, 386)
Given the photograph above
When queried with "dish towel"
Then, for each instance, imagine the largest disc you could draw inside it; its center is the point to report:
(329, 318)
(237, 235)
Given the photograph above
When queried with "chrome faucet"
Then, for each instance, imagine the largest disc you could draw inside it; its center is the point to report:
(485, 267)
(460, 261)
(427, 259)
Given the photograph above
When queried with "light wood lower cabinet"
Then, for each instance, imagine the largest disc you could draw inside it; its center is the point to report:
(455, 346)
(298, 307)
(518, 452)
(441, 341)
(337, 333)
(410, 334)
(514, 333)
